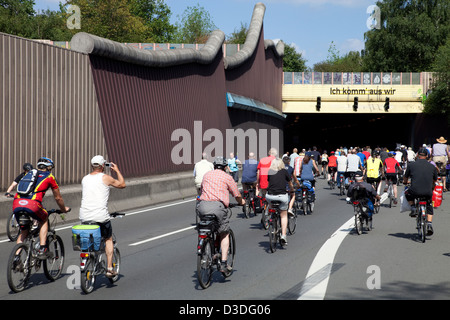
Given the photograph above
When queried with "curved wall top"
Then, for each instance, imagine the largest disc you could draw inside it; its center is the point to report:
(91, 44)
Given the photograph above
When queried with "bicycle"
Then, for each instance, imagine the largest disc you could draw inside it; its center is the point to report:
(341, 184)
(307, 197)
(24, 256)
(421, 220)
(93, 261)
(12, 227)
(208, 248)
(390, 192)
(275, 225)
(249, 197)
(361, 216)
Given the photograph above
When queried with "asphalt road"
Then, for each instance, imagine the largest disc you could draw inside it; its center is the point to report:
(325, 258)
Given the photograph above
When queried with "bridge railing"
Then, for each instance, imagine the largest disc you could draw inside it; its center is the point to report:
(353, 78)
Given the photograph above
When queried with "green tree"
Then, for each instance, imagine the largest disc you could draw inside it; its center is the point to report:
(239, 35)
(195, 25)
(51, 25)
(111, 19)
(410, 33)
(156, 17)
(292, 60)
(438, 100)
(352, 61)
(16, 17)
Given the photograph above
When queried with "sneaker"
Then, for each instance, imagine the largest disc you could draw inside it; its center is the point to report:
(111, 273)
(224, 267)
(291, 213)
(429, 229)
(43, 253)
(413, 213)
(283, 241)
(395, 201)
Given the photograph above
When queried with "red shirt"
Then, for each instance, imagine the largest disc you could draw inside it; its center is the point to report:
(332, 161)
(263, 168)
(217, 185)
(390, 164)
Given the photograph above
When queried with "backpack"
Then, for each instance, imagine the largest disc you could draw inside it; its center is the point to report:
(28, 183)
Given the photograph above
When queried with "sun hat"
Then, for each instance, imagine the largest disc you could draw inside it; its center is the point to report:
(441, 140)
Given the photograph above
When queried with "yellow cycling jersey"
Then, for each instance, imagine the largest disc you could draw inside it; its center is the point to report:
(373, 167)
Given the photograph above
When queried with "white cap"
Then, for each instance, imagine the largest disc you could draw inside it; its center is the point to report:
(98, 160)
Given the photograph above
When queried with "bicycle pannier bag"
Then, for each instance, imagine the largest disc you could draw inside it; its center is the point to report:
(86, 237)
(259, 205)
(28, 183)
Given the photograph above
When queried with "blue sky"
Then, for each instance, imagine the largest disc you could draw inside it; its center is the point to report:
(308, 25)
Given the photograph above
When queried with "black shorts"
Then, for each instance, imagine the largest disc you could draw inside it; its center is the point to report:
(332, 170)
(105, 229)
(410, 196)
(392, 177)
(373, 180)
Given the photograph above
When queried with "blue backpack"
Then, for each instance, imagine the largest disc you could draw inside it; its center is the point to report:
(28, 183)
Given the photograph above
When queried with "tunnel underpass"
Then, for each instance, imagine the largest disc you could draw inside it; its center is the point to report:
(329, 131)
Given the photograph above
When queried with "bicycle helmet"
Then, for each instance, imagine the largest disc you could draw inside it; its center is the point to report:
(220, 162)
(45, 162)
(27, 167)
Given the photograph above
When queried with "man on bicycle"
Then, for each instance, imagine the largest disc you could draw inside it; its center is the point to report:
(94, 202)
(423, 178)
(215, 199)
(32, 203)
(366, 192)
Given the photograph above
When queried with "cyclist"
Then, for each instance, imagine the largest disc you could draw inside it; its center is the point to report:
(391, 167)
(263, 169)
(423, 178)
(32, 203)
(94, 202)
(26, 167)
(341, 167)
(374, 170)
(354, 164)
(332, 167)
(307, 169)
(200, 169)
(366, 190)
(324, 159)
(216, 187)
(276, 191)
(249, 172)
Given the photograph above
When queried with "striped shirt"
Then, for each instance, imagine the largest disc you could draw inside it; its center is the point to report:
(217, 185)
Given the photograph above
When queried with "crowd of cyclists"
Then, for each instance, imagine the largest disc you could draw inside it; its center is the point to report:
(277, 177)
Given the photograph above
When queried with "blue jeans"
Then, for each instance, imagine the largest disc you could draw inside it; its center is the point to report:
(338, 178)
(370, 206)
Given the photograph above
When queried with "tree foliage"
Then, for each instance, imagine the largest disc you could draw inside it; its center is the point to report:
(292, 60)
(438, 100)
(409, 35)
(352, 61)
(194, 26)
(239, 35)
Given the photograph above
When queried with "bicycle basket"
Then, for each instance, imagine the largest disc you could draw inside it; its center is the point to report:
(86, 237)
(208, 223)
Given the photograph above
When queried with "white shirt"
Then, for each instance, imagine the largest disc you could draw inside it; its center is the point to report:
(354, 162)
(201, 167)
(341, 163)
(94, 198)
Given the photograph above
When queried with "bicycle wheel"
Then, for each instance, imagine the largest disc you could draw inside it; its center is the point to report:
(265, 218)
(231, 254)
(18, 272)
(204, 264)
(246, 209)
(305, 207)
(273, 234)
(53, 265)
(292, 221)
(358, 223)
(12, 228)
(88, 276)
(421, 225)
(116, 265)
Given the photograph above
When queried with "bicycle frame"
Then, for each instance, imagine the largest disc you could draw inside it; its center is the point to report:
(421, 207)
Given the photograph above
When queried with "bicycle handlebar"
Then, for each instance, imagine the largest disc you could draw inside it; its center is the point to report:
(57, 211)
(116, 214)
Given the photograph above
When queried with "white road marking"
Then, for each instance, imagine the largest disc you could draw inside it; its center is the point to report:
(161, 236)
(315, 285)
